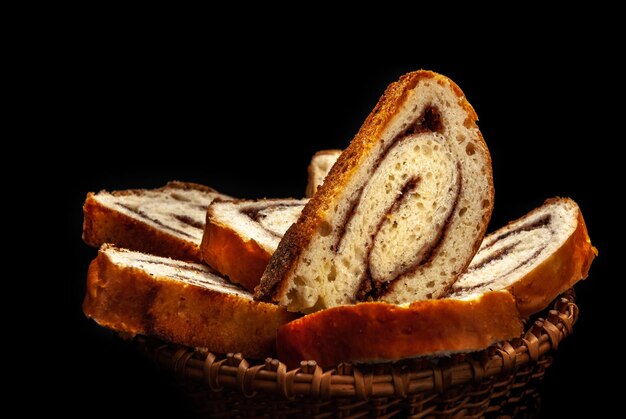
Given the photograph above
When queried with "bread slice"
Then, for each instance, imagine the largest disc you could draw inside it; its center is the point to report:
(320, 165)
(536, 257)
(180, 302)
(167, 221)
(400, 214)
(375, 332)
(241, 236)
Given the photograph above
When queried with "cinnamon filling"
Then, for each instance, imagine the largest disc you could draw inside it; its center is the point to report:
(255, 215)
(429, 121)
(540, 222)
(348, 217)
(185, 219)
(465, 290)
(500, 254)
(370, 287)
(195, 280)
(158, 222)
(374, 288)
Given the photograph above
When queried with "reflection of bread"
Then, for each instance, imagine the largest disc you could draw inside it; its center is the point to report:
(400, 214)
(321, 163)
(536, 257)
(167, 221)
(375, 332)
(181, 302)
(240, 236)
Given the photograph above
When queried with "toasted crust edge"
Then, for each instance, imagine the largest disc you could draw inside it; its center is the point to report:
(283, 261)
(242, 261)
(372, 332)
(129, 300)
(566, 266)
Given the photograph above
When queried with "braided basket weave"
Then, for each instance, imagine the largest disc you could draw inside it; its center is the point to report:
(500, 380)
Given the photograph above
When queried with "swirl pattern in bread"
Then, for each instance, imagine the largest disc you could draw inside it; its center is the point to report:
(400, 214)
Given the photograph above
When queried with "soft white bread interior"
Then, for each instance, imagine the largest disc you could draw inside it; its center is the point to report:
(400, 214)
(181, 302)
(167, 221)
(241, 236)
(536, 257)
(320, 165)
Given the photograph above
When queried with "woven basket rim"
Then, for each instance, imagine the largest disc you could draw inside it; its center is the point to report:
(364, 381)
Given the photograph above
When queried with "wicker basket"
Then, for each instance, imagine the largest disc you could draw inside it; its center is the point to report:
(499, 381)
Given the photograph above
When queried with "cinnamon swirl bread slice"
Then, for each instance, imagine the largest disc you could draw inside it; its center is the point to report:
(536, 257)
(320, 165)
(181, 302)
(241, 236)
(167, 221)
(400, 214)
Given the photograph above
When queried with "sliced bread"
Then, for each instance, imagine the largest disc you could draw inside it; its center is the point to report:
(400, 214)
(181, 302)
(241, 236)
(536, 257)
(167, 221)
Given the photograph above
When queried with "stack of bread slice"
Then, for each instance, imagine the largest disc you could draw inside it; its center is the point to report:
(385, 259)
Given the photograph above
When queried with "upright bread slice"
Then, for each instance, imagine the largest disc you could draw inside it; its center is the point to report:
(400, 214)
(536, 257)
(241, 236)
(374, 332)
(167, 221)
(320, 165)
(180, 302)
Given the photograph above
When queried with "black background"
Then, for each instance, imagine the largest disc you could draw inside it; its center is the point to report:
(246, 121)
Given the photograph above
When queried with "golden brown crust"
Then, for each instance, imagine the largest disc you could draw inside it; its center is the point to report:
(566, 266)
(284, 260)
(311, 185)
(106, 225)
(242, 261)
(129, 300)
(380, 331)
